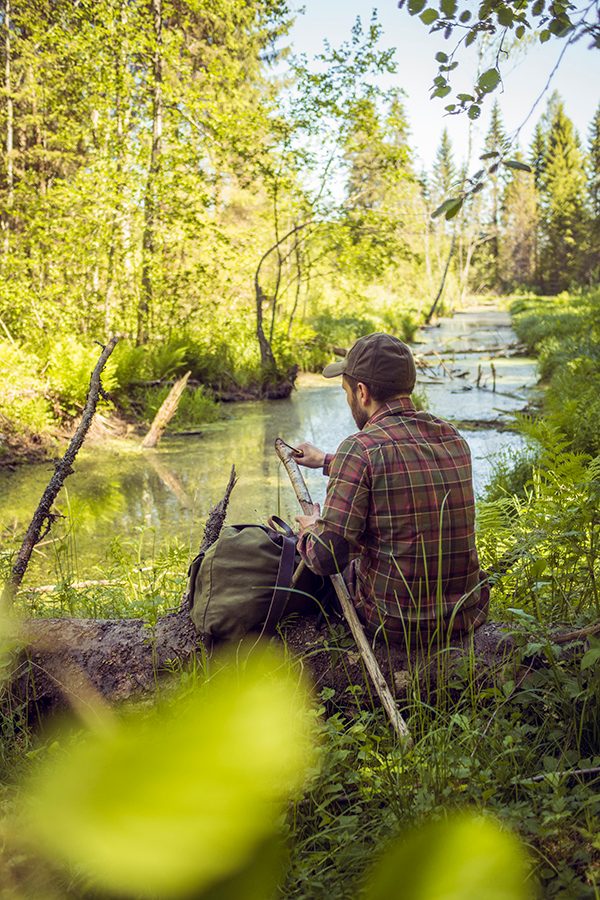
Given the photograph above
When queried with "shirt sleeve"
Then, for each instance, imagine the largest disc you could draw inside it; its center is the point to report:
(345, 511)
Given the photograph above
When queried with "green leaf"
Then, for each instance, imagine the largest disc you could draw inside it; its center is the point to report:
(429, 16)
(169, 802)
(434, 862)
(449, 7)
(454, 210)
(446, 205)
(489, 155)
(505, 16)
(489, 80)
(415, 6)
(590, 658)
(538, 7)
(520, 31)
(464, 16)
(516, 164)
(472, 35)
(474, 111)
(441, 57)
(544, 36)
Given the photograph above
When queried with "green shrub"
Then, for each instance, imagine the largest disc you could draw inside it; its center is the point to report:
(70, 364)
(23, 400)
(565, 332)
(543, 544)
(196, 407)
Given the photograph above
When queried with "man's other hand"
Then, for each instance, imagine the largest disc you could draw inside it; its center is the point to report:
(306, 521)
(312, 457)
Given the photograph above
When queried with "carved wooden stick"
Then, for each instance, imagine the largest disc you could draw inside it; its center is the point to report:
(354, 623)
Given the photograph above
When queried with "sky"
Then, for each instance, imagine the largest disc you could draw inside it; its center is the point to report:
(577, 78)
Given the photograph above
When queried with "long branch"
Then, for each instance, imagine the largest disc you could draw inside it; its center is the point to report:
(43, 518)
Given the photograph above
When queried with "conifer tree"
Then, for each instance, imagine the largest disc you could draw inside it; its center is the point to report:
(494, 143)
(444, 168)
(537, 154)
(563, 205)
(593, 183)
(594, 165)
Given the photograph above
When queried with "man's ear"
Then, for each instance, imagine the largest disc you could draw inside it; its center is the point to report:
(364, 394)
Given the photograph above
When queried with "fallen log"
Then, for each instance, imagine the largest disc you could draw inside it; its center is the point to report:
(166, 412)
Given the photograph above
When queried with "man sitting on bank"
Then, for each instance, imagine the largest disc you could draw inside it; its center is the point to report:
(399, 514)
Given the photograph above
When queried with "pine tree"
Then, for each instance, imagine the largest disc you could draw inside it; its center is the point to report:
(563, 205)
(495, 142)
(592, 268)
(594, 165)
(445, 173)
(537, 153)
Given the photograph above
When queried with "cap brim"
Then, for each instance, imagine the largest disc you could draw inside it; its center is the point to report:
(336, 368)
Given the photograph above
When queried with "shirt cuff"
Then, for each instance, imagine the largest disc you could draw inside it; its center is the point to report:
(327, 463)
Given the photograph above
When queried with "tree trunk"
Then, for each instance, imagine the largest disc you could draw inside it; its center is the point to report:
(151, 200)
(434, 305)
(165, 413)
(122, 658)
(10, 181)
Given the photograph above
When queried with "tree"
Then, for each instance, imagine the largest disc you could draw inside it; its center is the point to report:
(537, 155)
(562, 205)
(495, 143)
(518, 236)
(445, 173)
(593, 185)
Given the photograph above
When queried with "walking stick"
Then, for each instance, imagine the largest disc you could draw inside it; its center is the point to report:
(368, 657)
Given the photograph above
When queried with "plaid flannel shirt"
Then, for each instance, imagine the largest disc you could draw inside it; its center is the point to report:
(400, 493)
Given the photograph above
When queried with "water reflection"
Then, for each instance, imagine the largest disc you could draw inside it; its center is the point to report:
(155, 496)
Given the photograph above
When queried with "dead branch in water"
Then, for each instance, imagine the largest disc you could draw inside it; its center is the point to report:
(43, 517)
(166, 412)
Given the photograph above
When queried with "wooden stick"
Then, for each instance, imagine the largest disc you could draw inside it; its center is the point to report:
(42, 517)
(166, 412)
(354, 623)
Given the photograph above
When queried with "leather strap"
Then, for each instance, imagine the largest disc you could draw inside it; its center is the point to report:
(276, 523)
(283, 582)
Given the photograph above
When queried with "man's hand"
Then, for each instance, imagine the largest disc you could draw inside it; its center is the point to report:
(312, 457)
(306, 521)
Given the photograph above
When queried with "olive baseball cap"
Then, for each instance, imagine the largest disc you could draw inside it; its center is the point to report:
(379, 359)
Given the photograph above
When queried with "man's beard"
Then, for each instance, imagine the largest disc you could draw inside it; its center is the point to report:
(360, 416)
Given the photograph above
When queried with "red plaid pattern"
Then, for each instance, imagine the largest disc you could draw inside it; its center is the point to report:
(400, 493)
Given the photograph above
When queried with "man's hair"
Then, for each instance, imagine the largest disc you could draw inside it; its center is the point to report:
(379, 393)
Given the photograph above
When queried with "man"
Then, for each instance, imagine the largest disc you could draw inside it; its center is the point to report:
(399, 504)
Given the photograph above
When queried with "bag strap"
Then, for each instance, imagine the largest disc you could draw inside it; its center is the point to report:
(283, 582)
(275, 522)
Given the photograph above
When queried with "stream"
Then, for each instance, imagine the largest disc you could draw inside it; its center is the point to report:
(120, 494)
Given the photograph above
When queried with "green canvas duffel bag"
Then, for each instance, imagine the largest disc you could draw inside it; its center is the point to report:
(243, 582)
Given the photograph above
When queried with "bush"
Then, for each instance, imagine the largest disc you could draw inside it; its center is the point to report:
(196, 407)
(23, 400)
(565, 333)
(70, 365)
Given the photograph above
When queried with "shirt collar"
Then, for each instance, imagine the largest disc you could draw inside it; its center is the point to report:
(393, 408)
